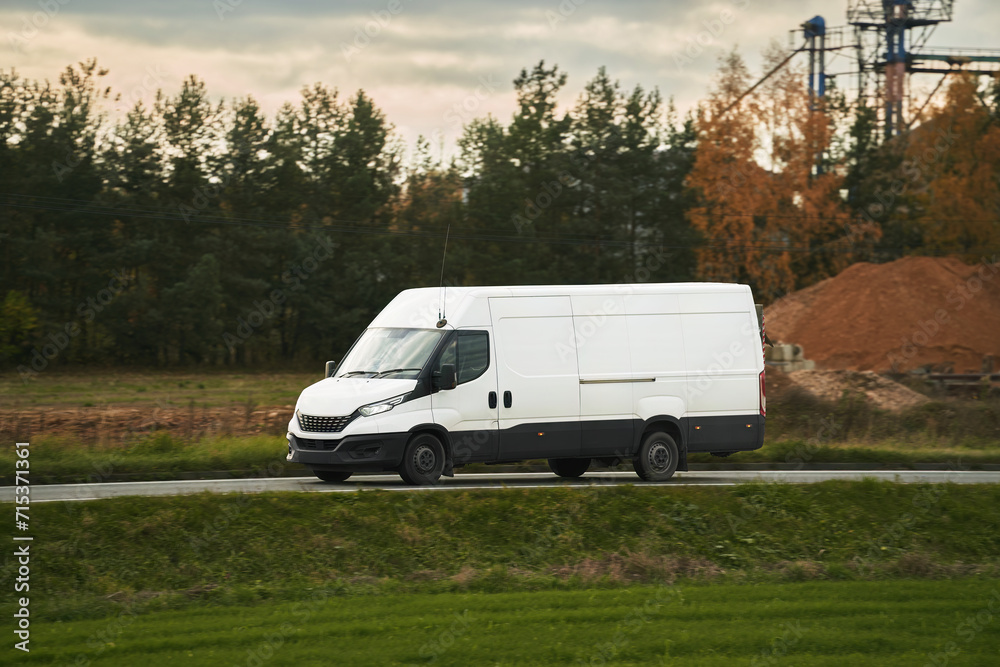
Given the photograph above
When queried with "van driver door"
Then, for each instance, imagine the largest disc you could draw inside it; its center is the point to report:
(470, 410)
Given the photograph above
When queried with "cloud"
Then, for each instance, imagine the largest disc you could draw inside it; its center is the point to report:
(419, 60)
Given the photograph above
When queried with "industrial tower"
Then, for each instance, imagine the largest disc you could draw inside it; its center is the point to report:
(889, 40)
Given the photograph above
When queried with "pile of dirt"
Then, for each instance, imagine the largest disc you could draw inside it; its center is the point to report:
(881, 392)
(916, 311)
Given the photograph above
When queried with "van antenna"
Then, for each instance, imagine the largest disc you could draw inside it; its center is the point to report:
(441, 314)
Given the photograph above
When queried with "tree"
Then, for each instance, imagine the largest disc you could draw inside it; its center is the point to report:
(517, 178)
(767, 215)
(431, 203)
(955, 155)
(17, 322)
(56, 251)
(630, 161)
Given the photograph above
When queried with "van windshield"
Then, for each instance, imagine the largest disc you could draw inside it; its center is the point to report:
(390, 353)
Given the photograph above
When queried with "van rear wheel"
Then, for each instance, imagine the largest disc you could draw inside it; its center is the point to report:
(423, 461)
(569, 467)
(657, 458)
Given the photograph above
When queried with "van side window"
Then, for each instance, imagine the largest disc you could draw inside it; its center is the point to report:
(469, 351)
(448, 356)
(473, 354)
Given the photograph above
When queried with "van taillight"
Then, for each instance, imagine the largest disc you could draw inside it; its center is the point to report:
(763, 398)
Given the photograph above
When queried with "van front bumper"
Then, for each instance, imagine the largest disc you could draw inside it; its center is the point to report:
(373, 452)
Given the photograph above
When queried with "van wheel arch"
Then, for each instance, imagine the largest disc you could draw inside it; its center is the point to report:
(669, 425)
(442, 434)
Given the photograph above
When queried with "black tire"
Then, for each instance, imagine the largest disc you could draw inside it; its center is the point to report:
(423, 460)
(657, 458)
(569, 467)
(331, 475)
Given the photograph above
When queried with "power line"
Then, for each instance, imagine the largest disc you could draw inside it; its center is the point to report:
(87, 206)
(66, 205)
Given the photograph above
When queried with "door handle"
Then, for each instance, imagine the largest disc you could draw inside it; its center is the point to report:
(493, 400)
(507, 399)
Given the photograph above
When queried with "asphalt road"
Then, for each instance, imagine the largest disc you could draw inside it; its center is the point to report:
(500, 481)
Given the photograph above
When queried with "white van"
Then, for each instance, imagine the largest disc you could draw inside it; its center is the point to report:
(573, 374)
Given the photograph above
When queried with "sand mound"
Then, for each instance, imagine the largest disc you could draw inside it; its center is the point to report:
(881, 392)
(913, 312)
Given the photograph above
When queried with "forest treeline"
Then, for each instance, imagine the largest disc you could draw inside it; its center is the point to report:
(188, 231)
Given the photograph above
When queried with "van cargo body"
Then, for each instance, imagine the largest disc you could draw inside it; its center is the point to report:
(441, 378)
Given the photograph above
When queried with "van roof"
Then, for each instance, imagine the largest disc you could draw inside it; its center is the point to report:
(468, 306)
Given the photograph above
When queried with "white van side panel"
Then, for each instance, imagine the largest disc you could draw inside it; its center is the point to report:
(648, 407)
(537, 371)
(725, 362)
(657, 351)
(651, 304)
(607, 409)
(604, 360)
(657, 346)
(734, 301)
(536, 361)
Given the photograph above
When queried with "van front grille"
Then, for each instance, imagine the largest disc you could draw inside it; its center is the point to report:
(323, 445)
(314, 424)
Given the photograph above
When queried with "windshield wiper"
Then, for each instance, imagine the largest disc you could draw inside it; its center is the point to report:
(347, 375)
(396, 370)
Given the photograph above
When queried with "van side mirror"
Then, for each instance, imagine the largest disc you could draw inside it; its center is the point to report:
(445, 378)
(331, 366)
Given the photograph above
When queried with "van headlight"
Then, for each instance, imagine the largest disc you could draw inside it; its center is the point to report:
(381, 406)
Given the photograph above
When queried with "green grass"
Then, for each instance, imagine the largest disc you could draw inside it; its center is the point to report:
(816, 623)
(164, 552)
(823, 574)
(154, 456)
(129, 388)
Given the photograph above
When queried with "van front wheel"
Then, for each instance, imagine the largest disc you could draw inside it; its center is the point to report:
(657, 458)
(423, 461)
(569, 467)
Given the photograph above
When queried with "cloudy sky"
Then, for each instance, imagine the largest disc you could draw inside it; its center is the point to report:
(430, 64)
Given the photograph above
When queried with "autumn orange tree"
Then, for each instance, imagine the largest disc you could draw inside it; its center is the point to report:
(953, 160)
(765, 210)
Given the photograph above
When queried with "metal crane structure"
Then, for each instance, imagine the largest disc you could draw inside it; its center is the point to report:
(889, 40)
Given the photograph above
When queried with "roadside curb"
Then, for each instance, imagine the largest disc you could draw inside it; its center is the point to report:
(295, 470)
